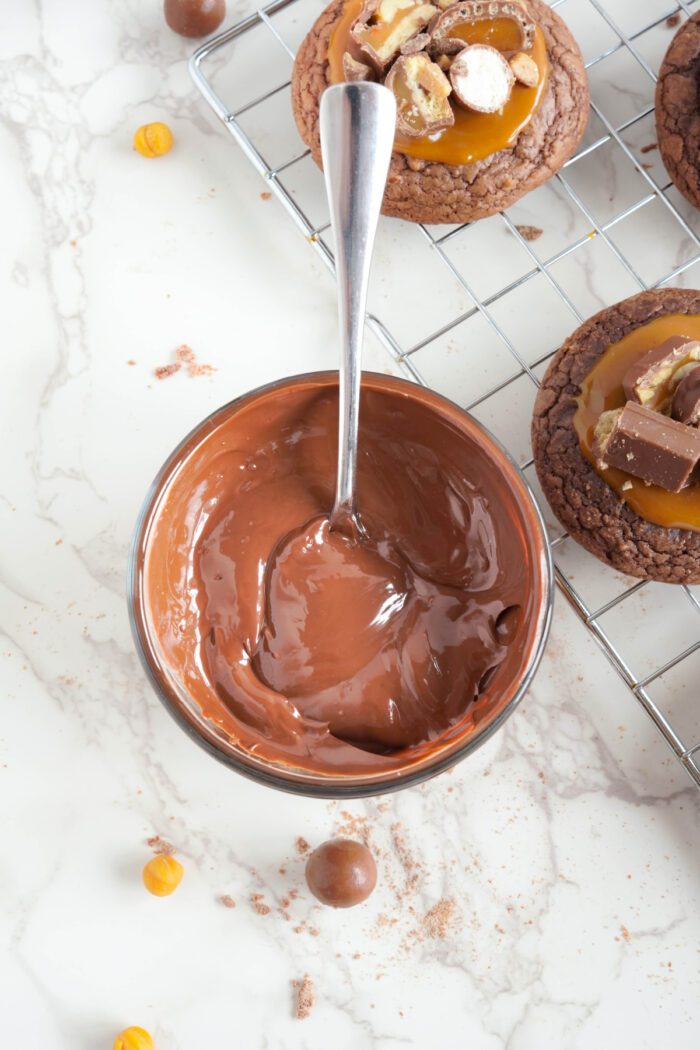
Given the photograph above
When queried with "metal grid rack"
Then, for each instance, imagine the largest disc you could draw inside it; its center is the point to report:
(259, 120)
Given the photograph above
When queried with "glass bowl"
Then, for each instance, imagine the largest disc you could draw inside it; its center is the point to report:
(500, 697)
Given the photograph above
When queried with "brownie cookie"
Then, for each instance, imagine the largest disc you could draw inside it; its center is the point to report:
(678, 110)
(436, 192)
(584, 503)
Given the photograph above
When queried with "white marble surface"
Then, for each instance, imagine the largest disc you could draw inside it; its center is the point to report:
(568, 844)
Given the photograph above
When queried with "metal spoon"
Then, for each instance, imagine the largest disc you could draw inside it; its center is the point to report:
(357, 124)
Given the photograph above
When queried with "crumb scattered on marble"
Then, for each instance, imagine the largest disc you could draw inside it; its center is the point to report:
(625, 934)
(185, 354)
(673, 20)
(438, 921)
(353, 827)
(649, 147)
(301, 846)
(258, 904)
(304, 996)
(530, 233)
(58, 543)
(165, 371)
(265, 195)
(160, 846)
(131, 362)
(184, 357)
(227, 901)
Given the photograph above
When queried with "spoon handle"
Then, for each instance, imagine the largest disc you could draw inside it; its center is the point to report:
(357, 124)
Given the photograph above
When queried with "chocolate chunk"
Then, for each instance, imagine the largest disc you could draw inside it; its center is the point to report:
(525, 69)
(415, 44)
(354, 70)
(457, 15)
(647, 445)
(385, 27)
(422, 90)
(647, 380)
(685, 406)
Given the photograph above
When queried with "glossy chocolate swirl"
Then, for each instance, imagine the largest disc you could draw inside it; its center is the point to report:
(326, 651)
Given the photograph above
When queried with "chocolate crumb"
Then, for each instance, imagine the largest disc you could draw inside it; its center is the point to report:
(258, 904)
(625, 934)
(649, 147)
(131, 362)
(58, 543)
(438, 920)
(164, 371)
(304, 997)
(529, 233)
(185, 354)
(200, 370)
(673, 20)
(353, 827)
(160, 846)
(301, 845)
(265, 195)
(228, 902)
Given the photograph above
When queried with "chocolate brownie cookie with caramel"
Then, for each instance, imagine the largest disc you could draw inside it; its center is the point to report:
(678, 110)
(492, 96)
(615, 435)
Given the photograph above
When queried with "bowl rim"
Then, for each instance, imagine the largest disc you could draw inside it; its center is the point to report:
(307, 783)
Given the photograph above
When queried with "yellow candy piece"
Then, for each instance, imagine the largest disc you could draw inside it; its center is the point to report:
(133, 1038)
(162, 875)
(153, 140)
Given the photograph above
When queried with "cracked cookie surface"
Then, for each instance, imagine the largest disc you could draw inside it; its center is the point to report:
(678, 110)
(584, 503)
(433, 192)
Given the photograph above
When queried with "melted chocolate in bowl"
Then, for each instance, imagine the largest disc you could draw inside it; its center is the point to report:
(325, 663)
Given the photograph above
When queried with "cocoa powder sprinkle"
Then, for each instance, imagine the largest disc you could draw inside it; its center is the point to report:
(438, 920)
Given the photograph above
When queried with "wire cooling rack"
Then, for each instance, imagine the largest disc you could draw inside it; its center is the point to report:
(476, 311)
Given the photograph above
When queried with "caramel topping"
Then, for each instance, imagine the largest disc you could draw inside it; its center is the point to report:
(602, 390)
(473, 136)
